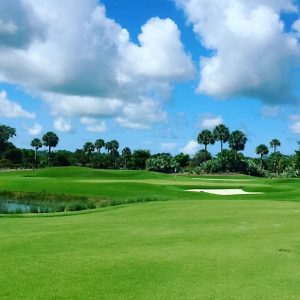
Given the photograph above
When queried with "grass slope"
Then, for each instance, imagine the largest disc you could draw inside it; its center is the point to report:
(134, 185)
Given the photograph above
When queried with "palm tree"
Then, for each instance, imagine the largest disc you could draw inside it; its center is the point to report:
(221, 133)
(108, 147)
(237, 141)
(50, 139)
(262, 150)
(114, 145)
(114, 150)
(205, 137)
(99, 144)
(274, 144)
(126, 154)
(88, 148)
(36, 144)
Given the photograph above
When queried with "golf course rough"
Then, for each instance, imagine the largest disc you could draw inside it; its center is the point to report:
(193, 246)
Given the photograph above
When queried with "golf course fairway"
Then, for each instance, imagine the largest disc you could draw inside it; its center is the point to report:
(169, 244)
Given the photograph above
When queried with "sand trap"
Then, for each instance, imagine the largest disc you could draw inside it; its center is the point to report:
(224, 191)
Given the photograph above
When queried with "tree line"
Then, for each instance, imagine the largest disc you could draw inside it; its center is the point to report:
(108, 155)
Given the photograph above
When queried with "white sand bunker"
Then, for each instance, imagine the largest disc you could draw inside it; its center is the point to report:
(224, 191)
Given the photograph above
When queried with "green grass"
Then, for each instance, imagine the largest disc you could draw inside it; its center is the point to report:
(193, 246)
(133, 185)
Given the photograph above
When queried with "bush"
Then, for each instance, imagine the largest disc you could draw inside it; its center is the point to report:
(6, 164)
(200, 157)
(230, 161)
(162, 163)
(253, 169)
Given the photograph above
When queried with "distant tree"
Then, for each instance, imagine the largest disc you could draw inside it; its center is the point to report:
(182, 160)
(108, 147)
(62, 158)
(36, 144)
(205, 137)
(200, 157)
(50, 140)
(221, 133)
(139, 158)
(114, 145)
(80, 157)
(237, 141)
(6, 133)
(99, 144)
(126, 156)
(297, 159)
(274, 144)
(262, 150)
(88, 148)
(275, 162)
(28, 158)
(102, 161)
(14, 155)
(230, 161)
(114, 151)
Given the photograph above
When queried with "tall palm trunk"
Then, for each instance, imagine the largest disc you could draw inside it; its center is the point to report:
(35, 158)
(49, 156)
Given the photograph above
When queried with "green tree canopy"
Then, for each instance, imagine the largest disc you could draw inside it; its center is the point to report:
(262, 150)
(99, 144)
(139, 158)
(88, 148)
(221, 133)
(126, 156)
(36, 144)
(50, 140)
(274, 144)
(205, 137)
(6, 133)
(237, 140)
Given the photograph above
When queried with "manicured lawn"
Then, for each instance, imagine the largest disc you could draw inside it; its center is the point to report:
(198, 246)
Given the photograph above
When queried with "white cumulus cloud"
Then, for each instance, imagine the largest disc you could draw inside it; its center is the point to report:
(252, 55)
(210, 121)
(141, 115)
(63, 125)
(295, 126)
(35, 130)
(84, 64)
(93, 125)
(191, 147)
(11, 109)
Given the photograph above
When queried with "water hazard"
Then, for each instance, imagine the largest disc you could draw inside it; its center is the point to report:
(11, 207)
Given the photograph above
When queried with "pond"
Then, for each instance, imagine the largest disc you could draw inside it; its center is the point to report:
(10, 207)
(20, 203)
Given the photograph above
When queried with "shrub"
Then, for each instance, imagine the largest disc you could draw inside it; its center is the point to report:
(162, 163)
(6, 164)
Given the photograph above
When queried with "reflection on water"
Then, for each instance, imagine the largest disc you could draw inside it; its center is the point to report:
(10, 207)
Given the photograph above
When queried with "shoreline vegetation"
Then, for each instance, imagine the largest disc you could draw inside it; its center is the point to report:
(43, 202)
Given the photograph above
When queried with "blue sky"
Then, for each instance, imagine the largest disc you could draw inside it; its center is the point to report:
(150, 74)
